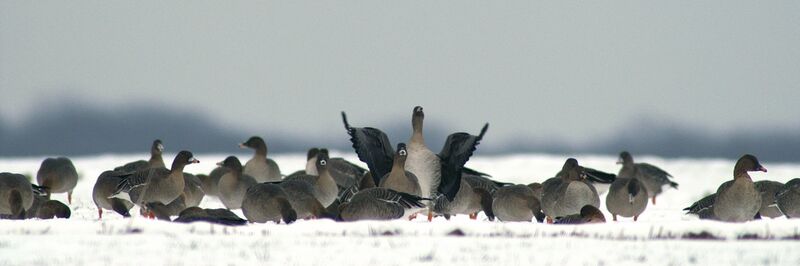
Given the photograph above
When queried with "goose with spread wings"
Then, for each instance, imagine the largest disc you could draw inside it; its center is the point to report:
(438, 174)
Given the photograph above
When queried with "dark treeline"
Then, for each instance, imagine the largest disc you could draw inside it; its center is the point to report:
(81, 130)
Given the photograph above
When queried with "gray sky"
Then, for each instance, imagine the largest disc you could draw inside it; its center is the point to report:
(573, 71)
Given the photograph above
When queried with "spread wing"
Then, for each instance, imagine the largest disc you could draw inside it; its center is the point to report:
(457, 150)
(373, 148)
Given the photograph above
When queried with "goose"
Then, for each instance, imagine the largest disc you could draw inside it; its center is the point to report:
(345, 173)
(437, 174)
(197, 214)
(234, 184)
(587, 214)
(627, 197)
(788, 198)
(45, 208)
(16, 195)
(260, 167)
(738, 200)
(651, 176)
(568, 192)
(155, 184)
(58, 175)
(516, 203)
(325, 188)
(156, 149)
(267, 202)
(104, 187)
(379, 204)
(468, 200)
(768, 190)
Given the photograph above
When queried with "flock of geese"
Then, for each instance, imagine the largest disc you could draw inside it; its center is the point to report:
(401, 182)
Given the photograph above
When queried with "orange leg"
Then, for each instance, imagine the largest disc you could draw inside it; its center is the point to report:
(151, 215)
(473, 216)
(549, 220)
(635, 218)
(412, 217)
(69, 197)
(654, 200)
(100, 213)
(430, 215)
(614, 216)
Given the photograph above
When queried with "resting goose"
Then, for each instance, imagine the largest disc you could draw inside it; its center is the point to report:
(568, 192)
(516, 203)
(267, 202)
(344, 172)
(738, 200)
(325, 189)
(769, 190)
(379, 204)
(588, 214)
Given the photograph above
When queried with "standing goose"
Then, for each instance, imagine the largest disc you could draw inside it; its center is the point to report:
(379, 204)
(568, 192)
(398, 179)
(588, 214)
(104, 187)
(437, 174)
(234, 184)
(788, 198)
(325, 189)
(651, 176)
(267, 202)
(627, 197)
(155, 184)
(16, 195)
(516, 203)
(260, 167)
(738, 200)
(468, 200)
(58, 175)
(156, 149)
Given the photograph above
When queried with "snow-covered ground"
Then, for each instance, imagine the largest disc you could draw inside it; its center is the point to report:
(658, 238)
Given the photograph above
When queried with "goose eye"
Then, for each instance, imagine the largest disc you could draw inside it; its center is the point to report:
(323, 162)
(402, 153)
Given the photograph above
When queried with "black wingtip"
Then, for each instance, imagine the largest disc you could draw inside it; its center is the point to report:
(483, 130)
(673, 185)
(344, 120)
